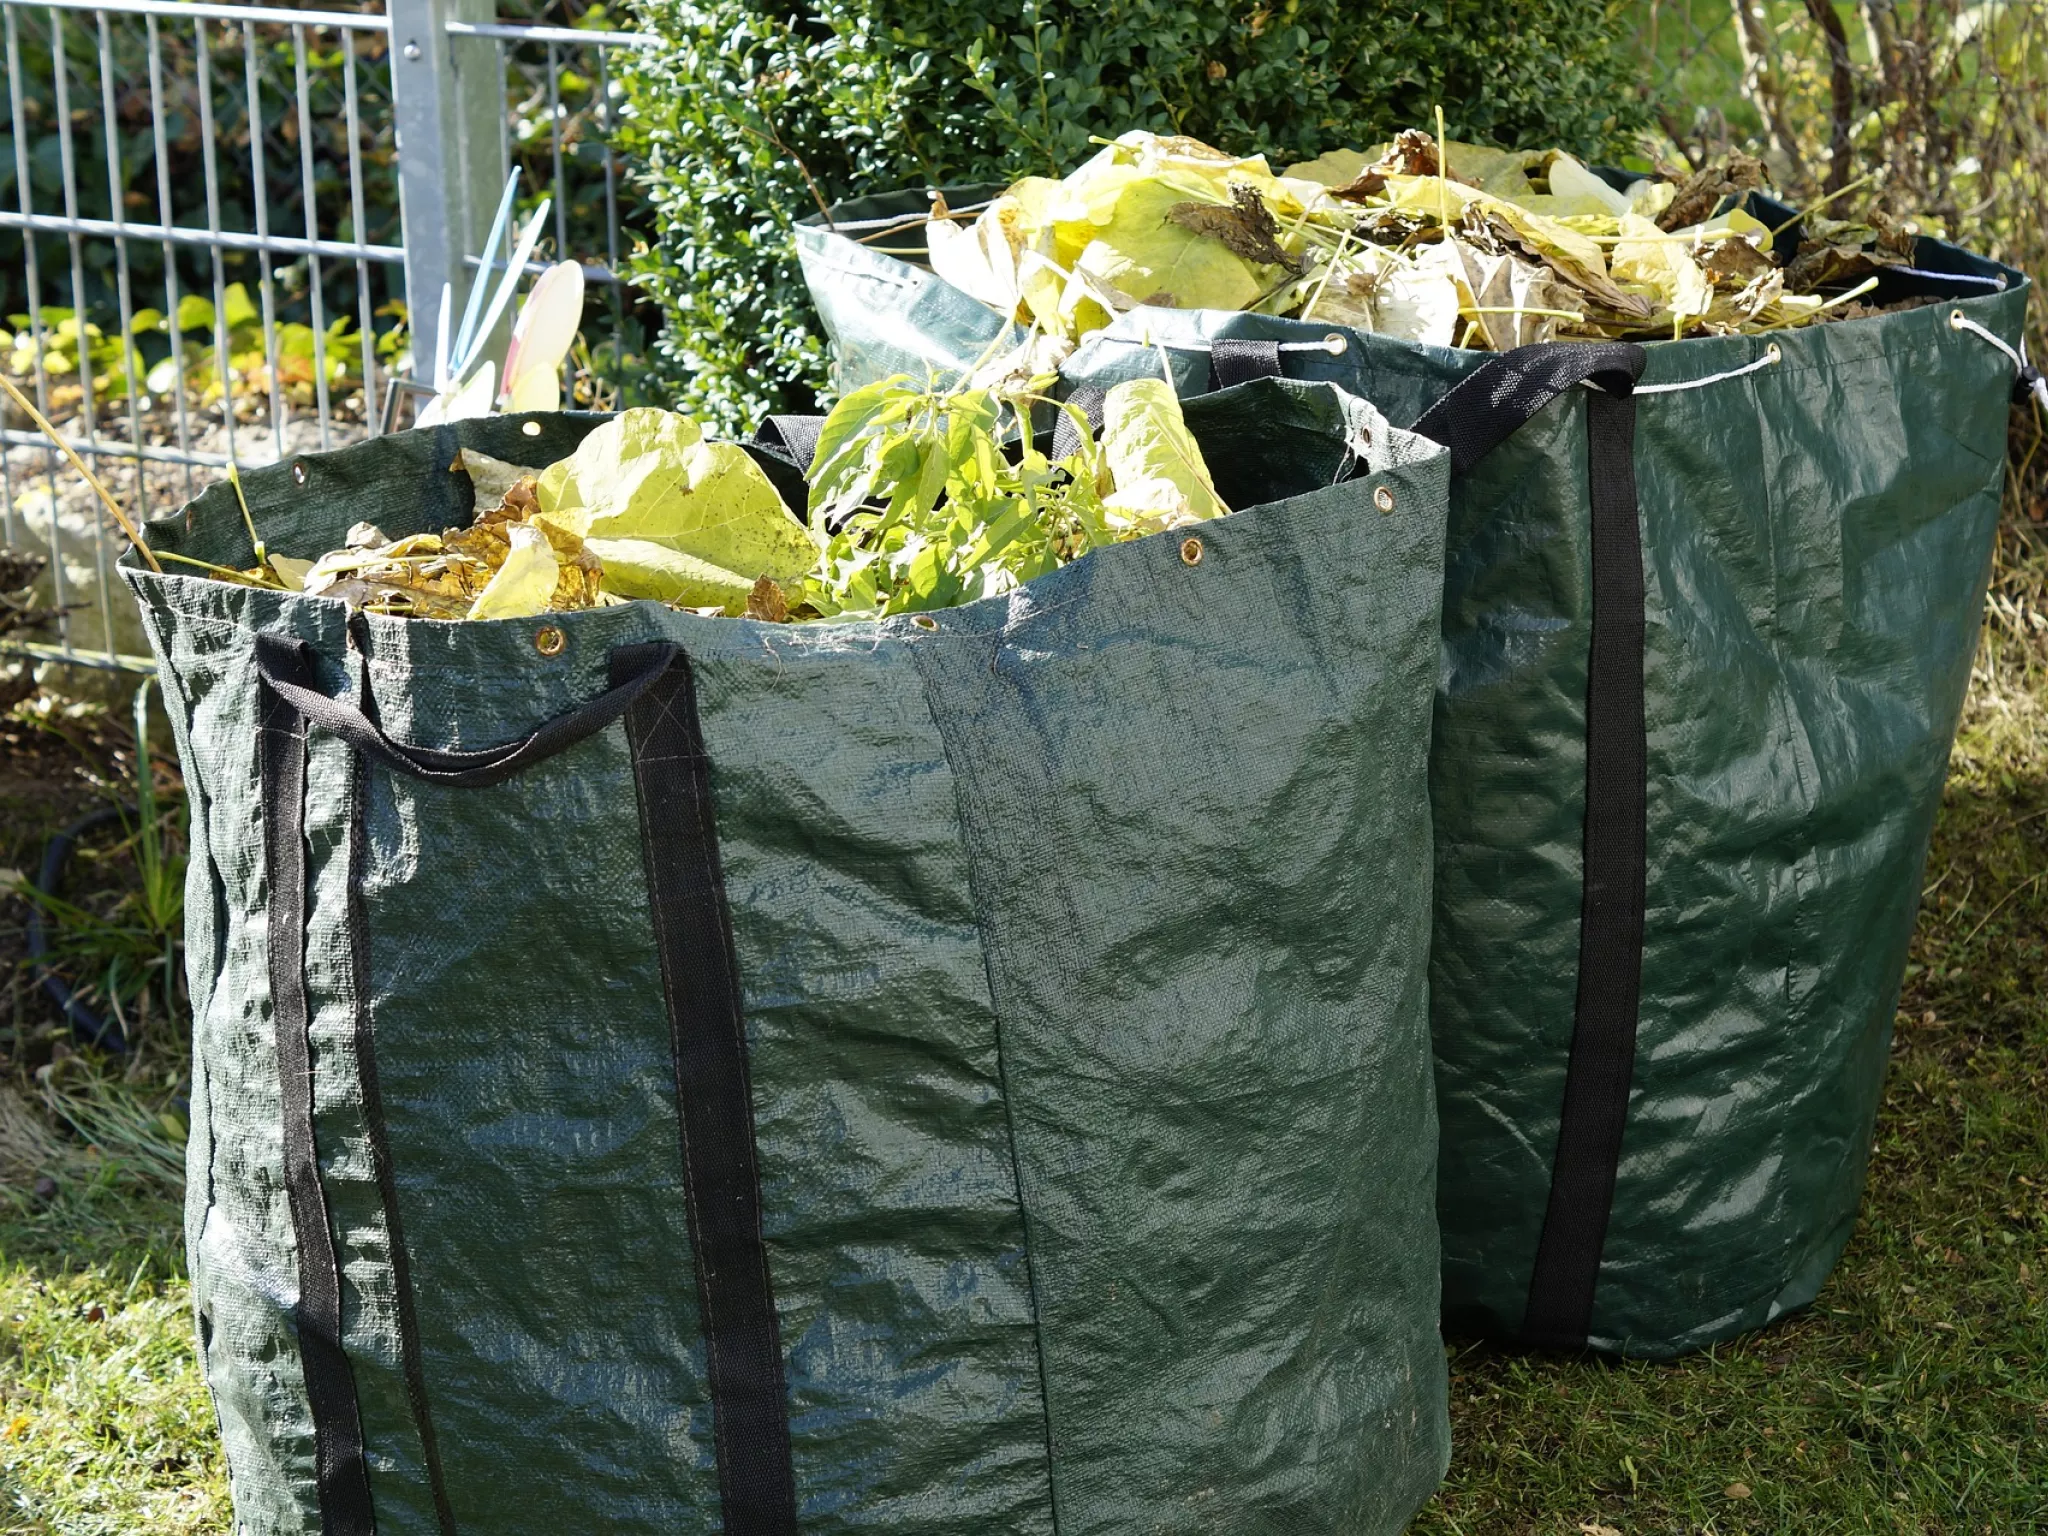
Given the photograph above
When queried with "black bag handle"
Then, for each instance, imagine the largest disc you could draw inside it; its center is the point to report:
(286, 667)
(1238, 360)
(1488, 405)
(1473, 419)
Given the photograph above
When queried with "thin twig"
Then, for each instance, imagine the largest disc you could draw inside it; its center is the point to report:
(774, 137)
(1815, 207)
(128, 528)
(2026, 884)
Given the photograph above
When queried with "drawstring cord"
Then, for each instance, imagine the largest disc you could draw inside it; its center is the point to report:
(2029, 381)
(1773, 355)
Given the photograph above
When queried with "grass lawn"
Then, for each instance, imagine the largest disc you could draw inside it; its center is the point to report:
(1912, 1398)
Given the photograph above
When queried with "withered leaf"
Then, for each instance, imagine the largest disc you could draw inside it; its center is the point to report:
(1413, 153)
(1733, 262)
(768, 601)
(1821, 266)
(1246, 226)
(1701, 192)
(1368, 183)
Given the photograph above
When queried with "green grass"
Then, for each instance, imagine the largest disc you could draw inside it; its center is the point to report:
(104, 1424)
(1913, 1397)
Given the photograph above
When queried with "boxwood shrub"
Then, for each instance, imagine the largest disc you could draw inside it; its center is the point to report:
(751, 114)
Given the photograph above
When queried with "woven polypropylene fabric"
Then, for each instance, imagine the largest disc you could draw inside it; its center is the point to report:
(1095, 1155)
(1815, 538)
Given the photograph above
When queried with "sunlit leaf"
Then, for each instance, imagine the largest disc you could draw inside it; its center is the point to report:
(649, 475)
(1158, 476)
(524, 584)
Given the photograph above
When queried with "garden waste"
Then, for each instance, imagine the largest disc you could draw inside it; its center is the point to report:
(916, 500)
(1424, 239)
(1726, 485)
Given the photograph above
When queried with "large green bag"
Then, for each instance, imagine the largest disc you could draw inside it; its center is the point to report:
(915, 1077)
(1655, 1125)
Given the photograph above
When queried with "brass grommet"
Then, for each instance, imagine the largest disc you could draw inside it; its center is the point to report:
(924, 621)
(299, 472)
(530, 428)
(550, 641)
(1955, 319)
(1383, 498)
(1191, 551)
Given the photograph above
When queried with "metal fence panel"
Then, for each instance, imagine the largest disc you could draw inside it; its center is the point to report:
(277, 180)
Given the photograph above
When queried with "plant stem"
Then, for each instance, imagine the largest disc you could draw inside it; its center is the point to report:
(128, 528)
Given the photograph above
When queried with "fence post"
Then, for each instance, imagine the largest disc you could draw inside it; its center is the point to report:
(447, 96)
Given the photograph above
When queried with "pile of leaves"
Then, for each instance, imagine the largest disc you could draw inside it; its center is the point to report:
(918, 500)
(1424, 238)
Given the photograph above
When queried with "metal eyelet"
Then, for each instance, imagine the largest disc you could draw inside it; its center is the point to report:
(1191, 551)
(1383, 498)
(924, 621)
(299, 472)
(1335, 345)
(1774, 353)
(1955, 319)
(550, 641)
(530, 428)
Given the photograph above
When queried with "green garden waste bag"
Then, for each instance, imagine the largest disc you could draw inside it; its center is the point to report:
(1707, 629)
(669, 1074)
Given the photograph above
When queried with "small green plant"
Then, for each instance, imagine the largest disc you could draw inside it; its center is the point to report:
(63, 343)
(125, 961)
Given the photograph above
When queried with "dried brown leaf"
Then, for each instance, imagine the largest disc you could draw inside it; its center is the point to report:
(768, 601)
(1701, 192)
(1734, 262)
(1246, 227)
(1368, 183)
(1413, 153)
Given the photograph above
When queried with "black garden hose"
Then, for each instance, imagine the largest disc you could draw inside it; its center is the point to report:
(86, 1026)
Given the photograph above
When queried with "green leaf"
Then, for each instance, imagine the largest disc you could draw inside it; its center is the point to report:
(241, 309)
(838, 458)
(642, 568)
(649, 476)
(195, 313)
(1159, 477)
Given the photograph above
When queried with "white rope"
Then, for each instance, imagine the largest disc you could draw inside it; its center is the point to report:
(1961, 322)
(1333, 344)
(1773, 355)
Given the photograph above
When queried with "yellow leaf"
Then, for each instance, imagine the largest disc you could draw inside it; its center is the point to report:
(1660, 263)
(1158, 476)
(522, 586)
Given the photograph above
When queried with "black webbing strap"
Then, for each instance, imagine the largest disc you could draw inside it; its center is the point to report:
(1471, 420)
(714, 1099)
(1603, 1053)
(1489, 404)
(286, 668)
(1237, 361)
(341, 1477)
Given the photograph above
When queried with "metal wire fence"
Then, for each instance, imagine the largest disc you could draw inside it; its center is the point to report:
(222, 227)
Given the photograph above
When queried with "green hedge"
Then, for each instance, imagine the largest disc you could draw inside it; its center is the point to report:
(751, 113)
